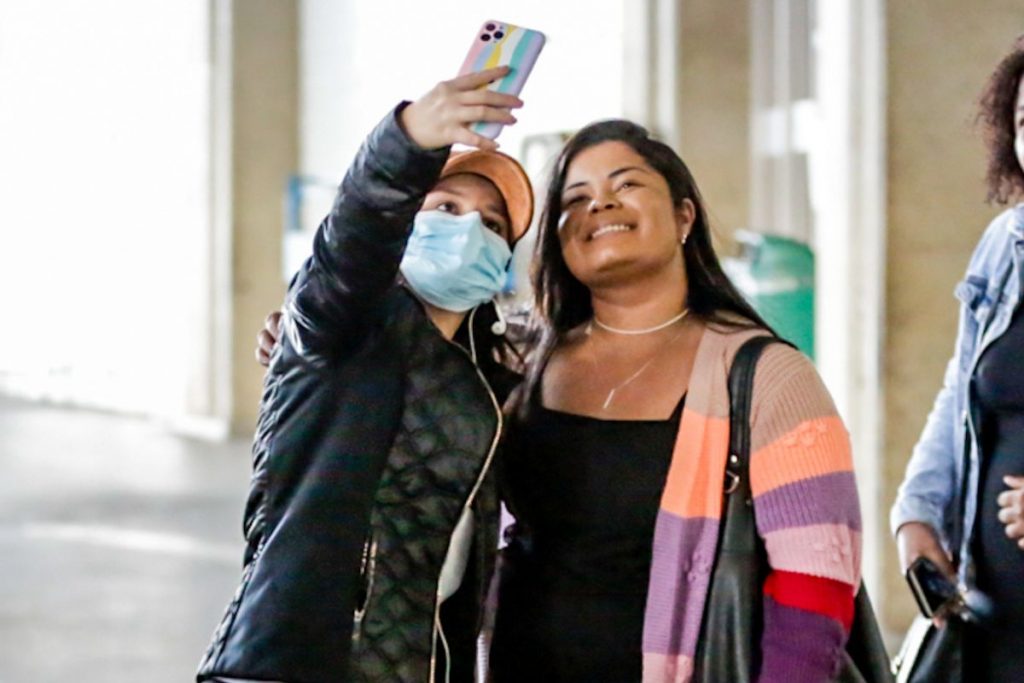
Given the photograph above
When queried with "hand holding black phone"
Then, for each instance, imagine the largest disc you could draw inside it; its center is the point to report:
(939, 596)
(934, 591)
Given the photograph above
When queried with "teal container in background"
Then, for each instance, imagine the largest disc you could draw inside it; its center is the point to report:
(776, 274)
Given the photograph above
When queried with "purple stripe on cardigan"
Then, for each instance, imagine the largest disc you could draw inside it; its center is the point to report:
(684, 553)
(799, 646)
(827, 499)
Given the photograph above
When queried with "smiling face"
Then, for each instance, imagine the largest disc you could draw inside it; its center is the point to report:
(464, 193)
(617, 217)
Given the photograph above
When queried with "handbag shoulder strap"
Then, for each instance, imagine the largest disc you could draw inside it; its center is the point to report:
(737, 532)
(741, 391)
(728, 647)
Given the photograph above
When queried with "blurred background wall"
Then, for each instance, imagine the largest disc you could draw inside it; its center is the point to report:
(147, 150)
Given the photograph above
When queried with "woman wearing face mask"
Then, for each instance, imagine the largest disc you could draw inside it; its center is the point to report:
(615, 456)
(371, 518)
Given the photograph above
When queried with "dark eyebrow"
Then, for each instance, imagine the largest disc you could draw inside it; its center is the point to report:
(626, 169)
(613, 174)
(449, 189)
(495, 209)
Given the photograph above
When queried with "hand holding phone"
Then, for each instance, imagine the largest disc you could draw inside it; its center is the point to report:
(938, 596)
(496, 44)
(934, 591)
(443, 115)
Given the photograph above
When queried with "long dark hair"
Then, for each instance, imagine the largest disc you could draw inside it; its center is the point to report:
(1004, 177)
(563, 302)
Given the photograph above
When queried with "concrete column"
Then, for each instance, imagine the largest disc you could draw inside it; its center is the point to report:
(714, 121)
(687, 78)
(264, 150)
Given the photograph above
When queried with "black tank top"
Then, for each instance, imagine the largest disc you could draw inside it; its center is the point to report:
(585, 492)
(999, 389)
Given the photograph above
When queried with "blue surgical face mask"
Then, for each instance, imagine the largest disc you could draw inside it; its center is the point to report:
(455, 262)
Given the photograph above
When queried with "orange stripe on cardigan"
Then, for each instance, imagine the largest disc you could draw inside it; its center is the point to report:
(693, 487)
(812, 448)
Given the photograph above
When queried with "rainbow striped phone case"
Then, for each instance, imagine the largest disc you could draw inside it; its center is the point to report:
(498, 44)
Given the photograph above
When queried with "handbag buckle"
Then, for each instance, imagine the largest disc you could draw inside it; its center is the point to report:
(732, 482)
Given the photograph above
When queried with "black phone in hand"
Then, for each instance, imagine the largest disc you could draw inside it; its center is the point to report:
(934, 591)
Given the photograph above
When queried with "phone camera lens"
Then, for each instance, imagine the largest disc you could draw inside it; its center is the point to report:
(498, 35)
(489, 27)
(485, 37)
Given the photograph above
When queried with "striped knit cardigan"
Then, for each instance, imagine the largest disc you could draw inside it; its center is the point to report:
(805, 501)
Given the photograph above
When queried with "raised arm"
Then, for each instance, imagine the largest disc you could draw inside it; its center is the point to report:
(359, 245)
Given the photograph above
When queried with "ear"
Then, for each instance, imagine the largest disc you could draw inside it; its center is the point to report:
(686, 214)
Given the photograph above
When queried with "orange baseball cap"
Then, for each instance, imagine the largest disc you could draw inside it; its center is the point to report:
(507, 175)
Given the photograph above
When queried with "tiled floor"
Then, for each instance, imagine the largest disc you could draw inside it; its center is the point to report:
(119, 546)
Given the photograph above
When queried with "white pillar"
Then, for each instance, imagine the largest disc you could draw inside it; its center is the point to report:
(849, 163)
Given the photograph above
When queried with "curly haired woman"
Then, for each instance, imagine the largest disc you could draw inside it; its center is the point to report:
(962, 500)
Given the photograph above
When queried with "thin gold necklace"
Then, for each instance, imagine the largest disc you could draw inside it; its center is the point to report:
(645, 330)
(611, 393)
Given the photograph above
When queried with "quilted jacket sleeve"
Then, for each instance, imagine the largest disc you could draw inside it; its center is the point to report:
(359, 245)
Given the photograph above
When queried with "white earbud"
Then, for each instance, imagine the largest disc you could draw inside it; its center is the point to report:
(500, 326)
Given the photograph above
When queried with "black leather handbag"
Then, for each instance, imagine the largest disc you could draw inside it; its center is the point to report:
(930, 653)
(730, 638)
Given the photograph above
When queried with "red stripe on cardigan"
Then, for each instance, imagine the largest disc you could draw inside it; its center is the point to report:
(827, 597)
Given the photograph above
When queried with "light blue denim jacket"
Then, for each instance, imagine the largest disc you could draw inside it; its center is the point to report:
(932, 486)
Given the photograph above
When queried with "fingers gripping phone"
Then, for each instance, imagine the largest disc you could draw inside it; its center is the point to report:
(498, 43)
(939, 596)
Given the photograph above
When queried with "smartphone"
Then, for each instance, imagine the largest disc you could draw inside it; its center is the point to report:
(498, 43)
(933, 590)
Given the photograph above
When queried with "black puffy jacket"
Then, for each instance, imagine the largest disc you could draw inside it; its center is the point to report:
(375, 433)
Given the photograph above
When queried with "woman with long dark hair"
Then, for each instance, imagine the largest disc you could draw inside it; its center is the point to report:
(616, 450)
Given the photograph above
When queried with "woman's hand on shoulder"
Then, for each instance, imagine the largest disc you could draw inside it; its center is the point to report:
(267, 338)
(443, 116)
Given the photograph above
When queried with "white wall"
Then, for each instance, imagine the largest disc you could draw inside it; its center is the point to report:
(360, 58)
(103, 199)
